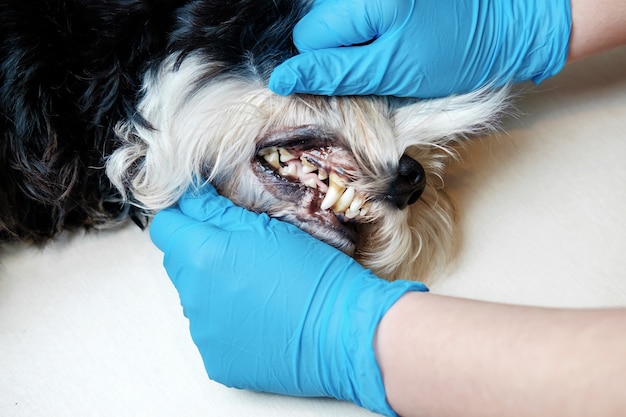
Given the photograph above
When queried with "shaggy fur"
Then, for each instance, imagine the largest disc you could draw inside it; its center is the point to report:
(168, 94)
(69, 72)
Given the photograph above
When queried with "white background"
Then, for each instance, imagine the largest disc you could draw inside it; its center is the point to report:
(91, 326)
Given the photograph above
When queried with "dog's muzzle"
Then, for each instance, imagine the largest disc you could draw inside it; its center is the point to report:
(409, 184)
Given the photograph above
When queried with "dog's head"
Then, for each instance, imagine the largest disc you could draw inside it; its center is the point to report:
(363, 174)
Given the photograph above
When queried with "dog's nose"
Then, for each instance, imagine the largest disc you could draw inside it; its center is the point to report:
(409, 183)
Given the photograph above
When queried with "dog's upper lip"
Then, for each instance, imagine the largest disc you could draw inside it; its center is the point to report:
(303, 137)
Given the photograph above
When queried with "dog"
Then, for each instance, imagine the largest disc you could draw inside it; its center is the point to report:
(113, 110)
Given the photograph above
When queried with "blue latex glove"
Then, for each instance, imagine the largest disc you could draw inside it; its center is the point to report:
(272, 309)
(424, 48)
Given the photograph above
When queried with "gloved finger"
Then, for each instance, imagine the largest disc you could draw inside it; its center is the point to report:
(333, 23)
(171, 226)
(218, 210)
(342, 71)
(188, 246)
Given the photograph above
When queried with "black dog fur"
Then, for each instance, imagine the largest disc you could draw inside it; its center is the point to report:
(70, 70)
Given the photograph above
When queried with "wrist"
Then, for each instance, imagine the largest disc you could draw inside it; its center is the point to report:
(367, 302)
(537, 40)
(597, 26)
(400, 343)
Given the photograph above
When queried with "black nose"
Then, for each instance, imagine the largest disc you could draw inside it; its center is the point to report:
(409, 183)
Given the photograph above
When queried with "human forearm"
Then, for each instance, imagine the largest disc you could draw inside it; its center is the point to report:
(597, 26)
(468, 358)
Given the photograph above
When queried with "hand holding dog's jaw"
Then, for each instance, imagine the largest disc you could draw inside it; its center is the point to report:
(305, 324)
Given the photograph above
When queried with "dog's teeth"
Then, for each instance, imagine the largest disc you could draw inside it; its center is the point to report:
(332, 196)
(322, 175)
(285, 156)
(273, 160)
(334, 178)
(310, 182)
(351, 214)
(307, 167)
(344, 202)
(357, 202)
(336, 187)
(357, 209)
(266, 151)
(290, 170)
(271, 156)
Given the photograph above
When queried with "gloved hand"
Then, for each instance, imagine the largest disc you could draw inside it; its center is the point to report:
(424, 48)
(272, 309)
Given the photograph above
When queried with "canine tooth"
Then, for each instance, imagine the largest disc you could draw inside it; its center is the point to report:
(307, 167)
(322, 175)
(285, 156)
(336, 179)
(332, 196)
(344, 202)
(335, 191)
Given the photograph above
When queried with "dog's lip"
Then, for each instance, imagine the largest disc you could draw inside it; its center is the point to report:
(301, 137)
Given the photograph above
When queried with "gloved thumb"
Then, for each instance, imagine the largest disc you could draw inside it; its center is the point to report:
(206, 205)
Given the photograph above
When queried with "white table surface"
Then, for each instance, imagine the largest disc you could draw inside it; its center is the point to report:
(91, 326)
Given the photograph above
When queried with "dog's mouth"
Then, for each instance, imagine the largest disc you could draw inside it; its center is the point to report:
(314, 176)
